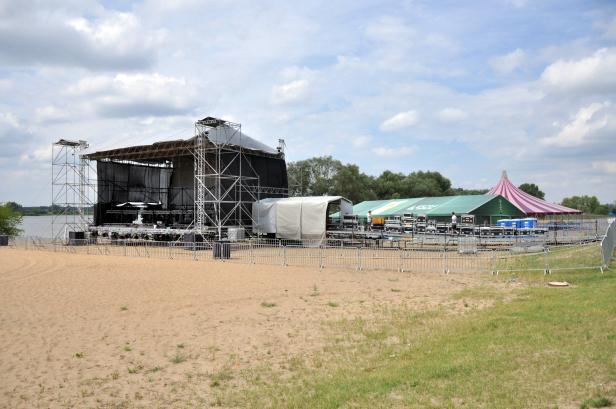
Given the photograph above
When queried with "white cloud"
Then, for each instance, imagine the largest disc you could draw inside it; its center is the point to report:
(389, 29)
(10, 119)
(134, 95)
(41, 154)
(50, 114)
(605, 166)
(400, 121)
(574, 133)
(360, 141)
(294, 73)
(451, 115)
(289, 94)
(594, 73)
(53, 35)
(14, 136)
(383, 152)
(507, 63)
(609, 28)
(517, 3)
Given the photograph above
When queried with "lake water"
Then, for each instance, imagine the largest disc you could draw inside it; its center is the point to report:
(40, 226)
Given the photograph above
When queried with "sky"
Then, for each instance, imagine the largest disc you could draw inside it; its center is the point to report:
(463, 88)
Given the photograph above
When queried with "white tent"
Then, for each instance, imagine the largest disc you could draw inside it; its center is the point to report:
(296, 218)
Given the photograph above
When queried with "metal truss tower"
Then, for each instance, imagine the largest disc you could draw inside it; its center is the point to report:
(224, 188)
(72, 190)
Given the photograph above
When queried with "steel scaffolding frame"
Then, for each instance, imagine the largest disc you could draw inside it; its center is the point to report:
(71, 188)
(211, 194)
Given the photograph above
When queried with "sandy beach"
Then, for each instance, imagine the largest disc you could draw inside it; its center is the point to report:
(98, 331)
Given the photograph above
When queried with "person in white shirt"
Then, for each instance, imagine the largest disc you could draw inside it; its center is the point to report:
(454, 222)
(369, 220)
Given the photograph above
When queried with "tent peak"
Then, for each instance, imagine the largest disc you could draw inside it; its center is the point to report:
(504, 175)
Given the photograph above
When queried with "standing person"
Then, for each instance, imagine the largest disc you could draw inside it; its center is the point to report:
(454, 222)
(369, 220)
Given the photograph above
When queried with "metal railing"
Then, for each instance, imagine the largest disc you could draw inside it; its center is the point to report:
(443, 254)
(607, 245)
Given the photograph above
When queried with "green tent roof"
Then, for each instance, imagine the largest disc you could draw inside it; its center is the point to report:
(439, 206)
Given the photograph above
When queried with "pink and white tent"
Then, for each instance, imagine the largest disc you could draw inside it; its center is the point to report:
(525, 202)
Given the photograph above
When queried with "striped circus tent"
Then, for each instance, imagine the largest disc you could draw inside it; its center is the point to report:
(525, 202)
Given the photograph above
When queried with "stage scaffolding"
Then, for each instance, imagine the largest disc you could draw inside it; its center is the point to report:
(224, 193)
(230, 172)
(72, 190)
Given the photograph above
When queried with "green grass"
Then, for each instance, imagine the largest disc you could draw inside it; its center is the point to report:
(598, 402)
(268, 304)
(178, 357)
(332, 304)
(546, 347)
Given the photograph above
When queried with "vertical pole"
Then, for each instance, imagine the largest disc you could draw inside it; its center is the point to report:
(284, 255)
(445, 263)
(494, 263)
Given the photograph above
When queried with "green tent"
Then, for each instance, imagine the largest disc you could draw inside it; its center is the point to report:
(486, 208)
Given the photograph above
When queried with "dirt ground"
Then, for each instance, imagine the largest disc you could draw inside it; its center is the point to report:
(108, 331)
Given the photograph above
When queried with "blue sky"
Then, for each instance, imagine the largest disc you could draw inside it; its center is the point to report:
(463, 89)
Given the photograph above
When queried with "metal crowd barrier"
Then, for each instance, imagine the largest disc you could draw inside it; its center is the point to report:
(465, 254)
(607, 245)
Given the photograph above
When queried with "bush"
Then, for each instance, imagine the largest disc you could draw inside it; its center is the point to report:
(9, 220)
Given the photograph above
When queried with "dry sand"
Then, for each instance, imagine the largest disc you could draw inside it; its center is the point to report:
(54, 306)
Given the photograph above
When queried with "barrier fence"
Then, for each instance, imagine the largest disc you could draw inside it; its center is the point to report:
(446, 255)
(607, 244)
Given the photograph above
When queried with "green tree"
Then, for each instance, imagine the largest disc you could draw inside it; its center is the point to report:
(532, 190)
(458, 191)
(327, 176)
(587, 204)
(390, 185)
(427, 184)
(9, 220)
(16, 207)
(602, 210)
(355, 186)
(312, 177)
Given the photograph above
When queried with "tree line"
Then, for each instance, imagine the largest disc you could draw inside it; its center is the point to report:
(325, 175)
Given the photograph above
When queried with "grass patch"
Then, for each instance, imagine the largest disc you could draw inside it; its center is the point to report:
(332, 304)
(178, 357)
(123, 308)
(268, 304)
(546, 347)
(598, 402)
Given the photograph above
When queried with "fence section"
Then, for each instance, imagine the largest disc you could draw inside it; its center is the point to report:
(440, 255)
(607, 245)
